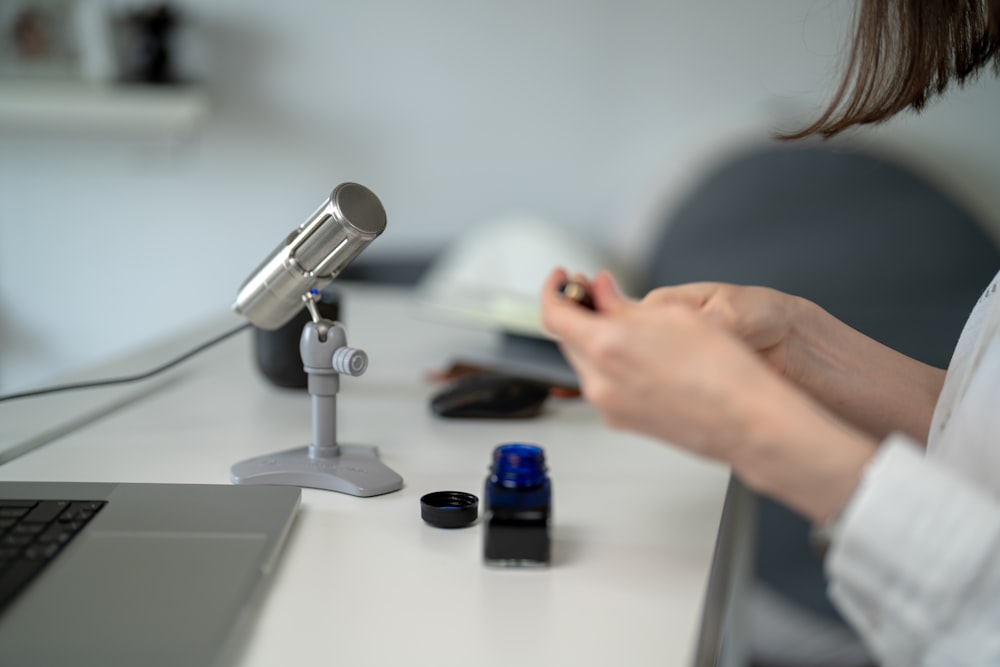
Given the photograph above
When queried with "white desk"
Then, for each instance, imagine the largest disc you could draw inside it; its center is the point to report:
(363, 581)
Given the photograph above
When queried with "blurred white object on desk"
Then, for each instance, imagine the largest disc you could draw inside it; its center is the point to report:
(491, 276)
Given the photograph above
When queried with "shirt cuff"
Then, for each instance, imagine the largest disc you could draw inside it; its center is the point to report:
(907, 548)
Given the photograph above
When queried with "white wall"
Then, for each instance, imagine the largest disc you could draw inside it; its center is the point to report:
(453, 112)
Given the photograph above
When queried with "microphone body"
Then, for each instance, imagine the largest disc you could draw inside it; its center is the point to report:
(311, 256)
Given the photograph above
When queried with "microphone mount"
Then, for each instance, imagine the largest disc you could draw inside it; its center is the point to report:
(325, 463)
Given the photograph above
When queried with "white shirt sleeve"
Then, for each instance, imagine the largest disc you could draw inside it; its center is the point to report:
(915, 562)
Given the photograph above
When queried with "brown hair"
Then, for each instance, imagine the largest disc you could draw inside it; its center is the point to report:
(905, 52)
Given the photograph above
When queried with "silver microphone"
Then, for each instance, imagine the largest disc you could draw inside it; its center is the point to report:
(311, 256)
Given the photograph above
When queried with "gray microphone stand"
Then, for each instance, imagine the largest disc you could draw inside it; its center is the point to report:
(325, 464)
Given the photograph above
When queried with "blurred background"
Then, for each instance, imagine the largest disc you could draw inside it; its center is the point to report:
(128, 213)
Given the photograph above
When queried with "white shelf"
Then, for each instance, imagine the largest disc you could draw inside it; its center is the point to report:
(51, 106)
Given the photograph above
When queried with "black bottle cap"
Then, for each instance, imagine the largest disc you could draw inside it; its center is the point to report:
(449, 509)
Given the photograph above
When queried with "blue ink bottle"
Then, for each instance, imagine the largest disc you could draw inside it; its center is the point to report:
(518, 504)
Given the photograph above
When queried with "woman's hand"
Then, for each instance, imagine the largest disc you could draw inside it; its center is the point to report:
(672, 368)
(862, 381)
(763, 318)
(637, 360)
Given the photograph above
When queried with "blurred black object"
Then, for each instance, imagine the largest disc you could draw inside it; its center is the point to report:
(147, 54)
(487, 395)
(278, 356)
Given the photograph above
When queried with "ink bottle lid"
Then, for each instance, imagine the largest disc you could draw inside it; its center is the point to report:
(449, 509)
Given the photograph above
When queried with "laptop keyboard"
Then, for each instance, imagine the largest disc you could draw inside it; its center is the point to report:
(32, 533)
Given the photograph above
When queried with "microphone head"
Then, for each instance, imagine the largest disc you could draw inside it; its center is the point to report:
(311, 256)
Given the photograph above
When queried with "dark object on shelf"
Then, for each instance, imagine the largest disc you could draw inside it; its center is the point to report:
(148, 55)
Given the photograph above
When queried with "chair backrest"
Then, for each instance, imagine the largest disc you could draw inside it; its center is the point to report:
(871, 241)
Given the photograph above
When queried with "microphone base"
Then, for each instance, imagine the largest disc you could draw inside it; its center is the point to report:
(352, 469)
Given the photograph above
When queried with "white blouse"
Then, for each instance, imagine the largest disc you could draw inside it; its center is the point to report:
(915, 560)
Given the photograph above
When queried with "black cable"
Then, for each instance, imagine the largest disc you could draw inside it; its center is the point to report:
(124, 379)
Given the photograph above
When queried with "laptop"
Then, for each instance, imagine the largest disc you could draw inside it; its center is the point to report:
(135, 574)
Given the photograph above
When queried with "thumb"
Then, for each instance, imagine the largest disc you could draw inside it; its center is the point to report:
(606, 293)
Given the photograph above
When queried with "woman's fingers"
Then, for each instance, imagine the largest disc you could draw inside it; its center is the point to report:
(562, 317)
(607, 296)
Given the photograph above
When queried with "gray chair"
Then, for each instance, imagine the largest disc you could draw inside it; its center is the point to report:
(869, 240)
